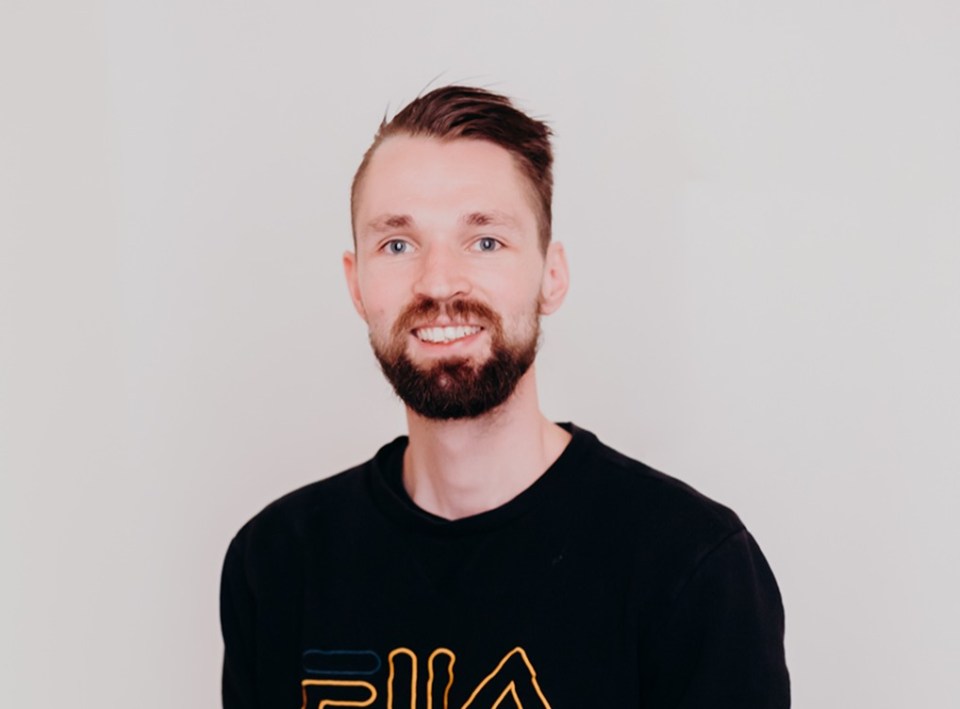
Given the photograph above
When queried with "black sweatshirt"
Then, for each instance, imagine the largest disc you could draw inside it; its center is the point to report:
(604, 584)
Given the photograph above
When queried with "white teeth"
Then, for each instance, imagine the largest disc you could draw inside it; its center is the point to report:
(445, 334)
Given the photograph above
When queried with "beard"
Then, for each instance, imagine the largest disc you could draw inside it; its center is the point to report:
(455, 387)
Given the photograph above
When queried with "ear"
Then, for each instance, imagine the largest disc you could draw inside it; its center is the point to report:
(556, 279)
(350, 271)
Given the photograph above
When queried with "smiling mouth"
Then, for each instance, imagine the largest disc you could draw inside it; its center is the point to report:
(443, 335)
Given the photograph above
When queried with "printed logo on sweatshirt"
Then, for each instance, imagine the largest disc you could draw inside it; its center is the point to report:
(342, 678)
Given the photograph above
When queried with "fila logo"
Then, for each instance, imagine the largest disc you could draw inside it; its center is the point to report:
(513, 681)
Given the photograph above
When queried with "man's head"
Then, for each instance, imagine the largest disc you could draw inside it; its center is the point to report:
(451, 270)
(463, 112)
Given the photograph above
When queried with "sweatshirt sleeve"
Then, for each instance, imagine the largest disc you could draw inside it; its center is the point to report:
(720, 643)
(237, 622)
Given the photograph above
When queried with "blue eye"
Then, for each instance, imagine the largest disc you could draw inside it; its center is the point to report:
(487, 243)
(396, 246)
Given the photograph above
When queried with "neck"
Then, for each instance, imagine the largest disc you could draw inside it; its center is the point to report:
(460, 468)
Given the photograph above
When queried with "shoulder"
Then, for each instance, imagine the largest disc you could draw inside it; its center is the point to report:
(267, 554)
(642, 505)
(293, 509)
(347, 488)
(278, 530)
(666, 535)
(620, 480)
(341, 499)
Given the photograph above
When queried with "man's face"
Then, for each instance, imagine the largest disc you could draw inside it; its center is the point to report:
(448, 272)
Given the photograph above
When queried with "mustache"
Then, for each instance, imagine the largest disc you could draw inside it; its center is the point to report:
(425, 308)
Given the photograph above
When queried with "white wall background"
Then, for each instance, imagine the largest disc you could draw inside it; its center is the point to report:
(761, 202)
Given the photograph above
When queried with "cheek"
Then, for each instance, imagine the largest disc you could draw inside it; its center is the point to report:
(379, 322)
(516, 283)
(376, 296)
(523, 311)
(382, 285)
(383, 313)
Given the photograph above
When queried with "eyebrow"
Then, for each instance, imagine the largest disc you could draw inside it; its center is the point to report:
(493, 218)
(389, 222)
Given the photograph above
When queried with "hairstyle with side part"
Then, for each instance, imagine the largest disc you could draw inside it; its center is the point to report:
(464, 112)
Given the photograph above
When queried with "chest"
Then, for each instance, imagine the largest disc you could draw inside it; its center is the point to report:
(539, 619)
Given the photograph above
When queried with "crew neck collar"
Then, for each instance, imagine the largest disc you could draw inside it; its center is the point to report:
(386, 480)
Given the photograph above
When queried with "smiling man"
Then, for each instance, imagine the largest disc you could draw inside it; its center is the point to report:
(490, 558)
(449, 272)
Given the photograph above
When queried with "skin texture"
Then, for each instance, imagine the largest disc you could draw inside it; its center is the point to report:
(448, 221)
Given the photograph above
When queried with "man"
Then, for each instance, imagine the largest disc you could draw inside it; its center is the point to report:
(491, 558)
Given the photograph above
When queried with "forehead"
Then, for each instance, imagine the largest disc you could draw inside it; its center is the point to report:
(409, 174)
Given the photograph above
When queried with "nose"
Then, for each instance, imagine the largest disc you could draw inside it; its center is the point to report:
(442, 274)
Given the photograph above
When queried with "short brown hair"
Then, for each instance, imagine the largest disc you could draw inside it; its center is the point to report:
(452, 112)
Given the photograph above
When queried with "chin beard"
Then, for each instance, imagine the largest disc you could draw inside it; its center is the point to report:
(457, 388)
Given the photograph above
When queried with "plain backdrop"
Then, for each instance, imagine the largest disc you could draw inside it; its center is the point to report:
(761, 206)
